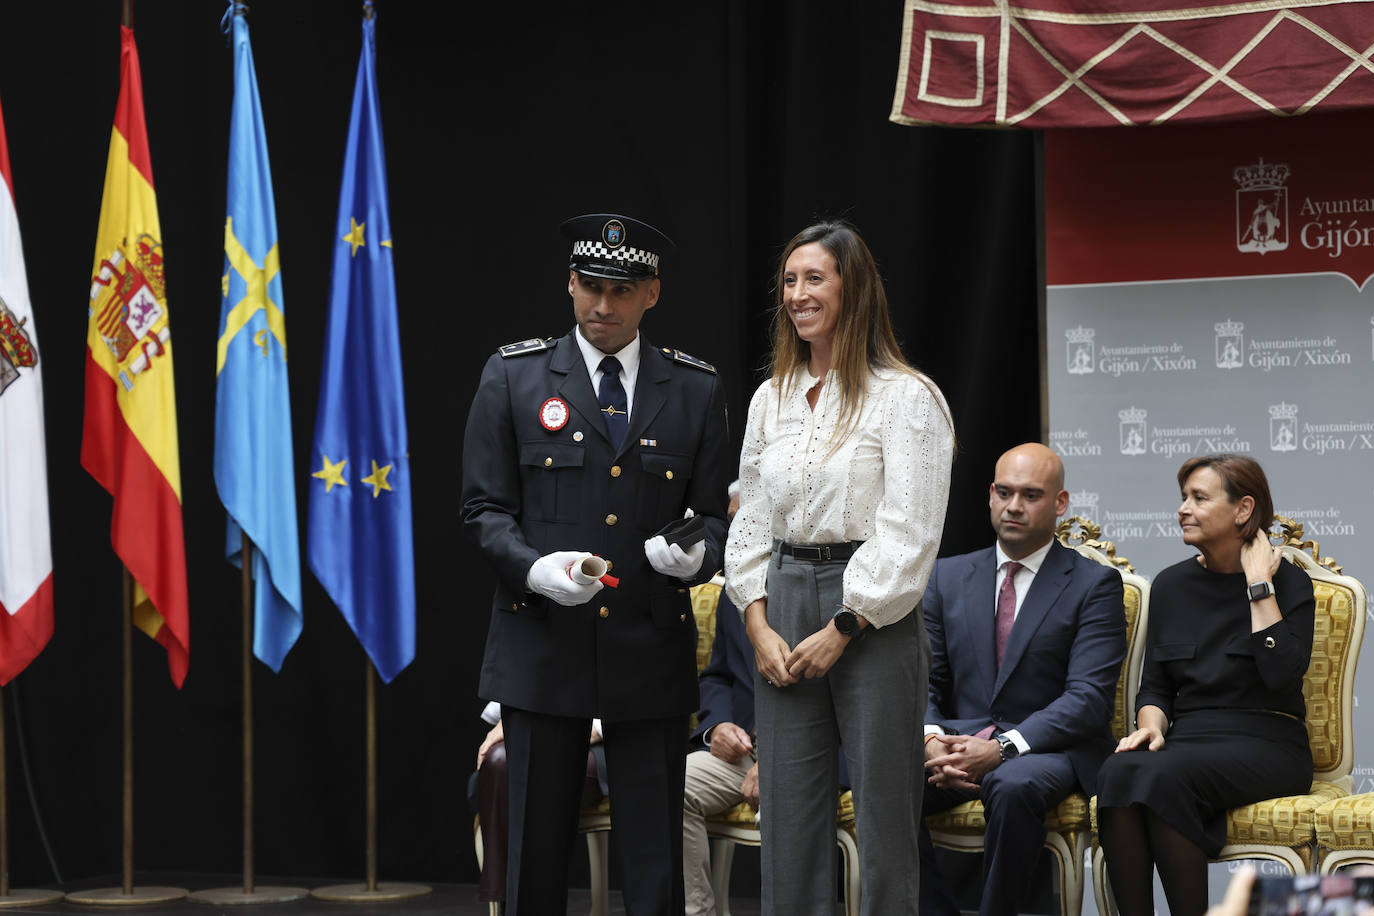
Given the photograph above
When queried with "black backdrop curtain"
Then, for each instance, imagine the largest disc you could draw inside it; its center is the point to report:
(729, 124)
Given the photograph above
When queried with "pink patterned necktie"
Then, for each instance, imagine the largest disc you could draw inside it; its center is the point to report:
(1006, 608)
(1006, 616)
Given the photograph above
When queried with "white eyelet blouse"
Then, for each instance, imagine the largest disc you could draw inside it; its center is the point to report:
(886, 484)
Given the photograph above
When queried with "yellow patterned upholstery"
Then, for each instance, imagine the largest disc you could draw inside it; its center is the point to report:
(1345, 832)
(1068, 825)
(705, 597)
(1288, 829)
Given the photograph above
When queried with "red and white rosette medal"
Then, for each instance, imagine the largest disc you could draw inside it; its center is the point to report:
(553, 414)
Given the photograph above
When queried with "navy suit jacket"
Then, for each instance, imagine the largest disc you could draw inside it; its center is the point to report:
(528, 490)
(727, 682)
(1062, 661)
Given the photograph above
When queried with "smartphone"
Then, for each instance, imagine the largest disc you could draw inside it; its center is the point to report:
(1313, 895)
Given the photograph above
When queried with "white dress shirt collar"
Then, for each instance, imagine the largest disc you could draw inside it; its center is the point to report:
(1031, 561)
(629, 365)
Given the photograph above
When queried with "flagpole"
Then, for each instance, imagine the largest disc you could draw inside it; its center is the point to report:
(250, 892)
(127, 894)
(370, 891)
(13, 897)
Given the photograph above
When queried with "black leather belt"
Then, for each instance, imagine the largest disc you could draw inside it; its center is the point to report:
(819, 553)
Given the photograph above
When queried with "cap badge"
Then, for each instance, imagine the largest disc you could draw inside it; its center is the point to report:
(553, 415)
(613, 233)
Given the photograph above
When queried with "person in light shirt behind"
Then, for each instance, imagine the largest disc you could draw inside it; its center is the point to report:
(844, 478)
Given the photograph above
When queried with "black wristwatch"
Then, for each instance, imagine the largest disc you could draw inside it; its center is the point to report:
(1009, 749)
(1260, 590)
(847, 622)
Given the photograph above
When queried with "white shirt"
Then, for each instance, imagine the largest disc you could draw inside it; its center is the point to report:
(629, 366)
(885, 484)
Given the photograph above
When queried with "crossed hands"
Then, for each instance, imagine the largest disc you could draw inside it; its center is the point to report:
(779, 663)
(961, 761)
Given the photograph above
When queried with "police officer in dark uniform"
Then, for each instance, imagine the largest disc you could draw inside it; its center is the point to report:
(588, 446)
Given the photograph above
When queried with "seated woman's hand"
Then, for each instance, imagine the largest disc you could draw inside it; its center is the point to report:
(1148, 736)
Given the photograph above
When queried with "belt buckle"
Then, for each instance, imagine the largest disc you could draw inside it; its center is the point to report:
(824, 551)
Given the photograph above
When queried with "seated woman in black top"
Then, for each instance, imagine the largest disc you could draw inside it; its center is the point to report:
(1220, 710)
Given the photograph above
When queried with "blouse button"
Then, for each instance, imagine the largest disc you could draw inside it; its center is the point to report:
(1268, 642)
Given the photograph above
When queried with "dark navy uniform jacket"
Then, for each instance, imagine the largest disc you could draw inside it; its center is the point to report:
(629, 653)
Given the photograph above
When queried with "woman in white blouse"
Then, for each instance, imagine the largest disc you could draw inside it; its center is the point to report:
(844, 477)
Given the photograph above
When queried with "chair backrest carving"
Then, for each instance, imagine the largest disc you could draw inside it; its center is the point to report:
(1085, 536)
(1329, 684)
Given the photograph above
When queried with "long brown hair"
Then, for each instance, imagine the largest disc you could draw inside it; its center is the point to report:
(864, 340)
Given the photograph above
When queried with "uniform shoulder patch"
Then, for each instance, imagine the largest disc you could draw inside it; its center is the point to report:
(523, 347)
(687, 359)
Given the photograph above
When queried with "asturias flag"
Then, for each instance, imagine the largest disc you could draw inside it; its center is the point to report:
(25, 549)
(129, 439)
(253, 408)
(359, 538)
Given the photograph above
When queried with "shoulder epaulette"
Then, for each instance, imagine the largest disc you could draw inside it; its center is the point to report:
(687, 359)
(521, 348)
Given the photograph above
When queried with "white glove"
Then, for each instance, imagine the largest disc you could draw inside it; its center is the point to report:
(672, 560)
(549, 577)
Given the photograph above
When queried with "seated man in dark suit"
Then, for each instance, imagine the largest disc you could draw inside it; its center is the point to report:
(1026, 639)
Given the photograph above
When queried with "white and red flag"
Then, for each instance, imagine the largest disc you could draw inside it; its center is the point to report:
(26, 619)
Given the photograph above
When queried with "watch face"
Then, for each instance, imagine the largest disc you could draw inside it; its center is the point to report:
(846, 622)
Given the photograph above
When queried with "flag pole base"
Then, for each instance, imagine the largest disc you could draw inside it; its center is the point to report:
(32, 897)
(115, 896)
(358, 893)
(230, 896)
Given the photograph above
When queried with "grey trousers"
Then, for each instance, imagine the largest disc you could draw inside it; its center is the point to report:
(873, 702)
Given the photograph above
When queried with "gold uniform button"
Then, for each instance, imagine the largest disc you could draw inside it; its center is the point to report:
(605, 612)
(669, 475)
(515, 607)
(548, 462)
(615, 470)
(611, 519)
(683, 618)
(1268, 642)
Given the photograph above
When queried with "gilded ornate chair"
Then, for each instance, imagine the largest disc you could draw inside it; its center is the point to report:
(595, 820)
(1285, 829)
(1068, 824)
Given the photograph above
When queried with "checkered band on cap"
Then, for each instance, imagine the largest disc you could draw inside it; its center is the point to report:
(624, 254)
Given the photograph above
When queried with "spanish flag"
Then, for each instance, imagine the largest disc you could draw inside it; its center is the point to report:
(129, 440)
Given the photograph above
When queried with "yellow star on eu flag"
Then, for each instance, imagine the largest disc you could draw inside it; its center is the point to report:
(377, 479)
(332, 473)
(355, 235)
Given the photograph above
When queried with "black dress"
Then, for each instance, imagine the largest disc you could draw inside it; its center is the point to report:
(1233, 699)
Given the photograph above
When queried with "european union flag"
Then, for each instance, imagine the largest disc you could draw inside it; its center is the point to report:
(359, 537)
(253, 468)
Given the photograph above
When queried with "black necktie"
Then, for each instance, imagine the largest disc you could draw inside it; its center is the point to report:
(611, 394)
